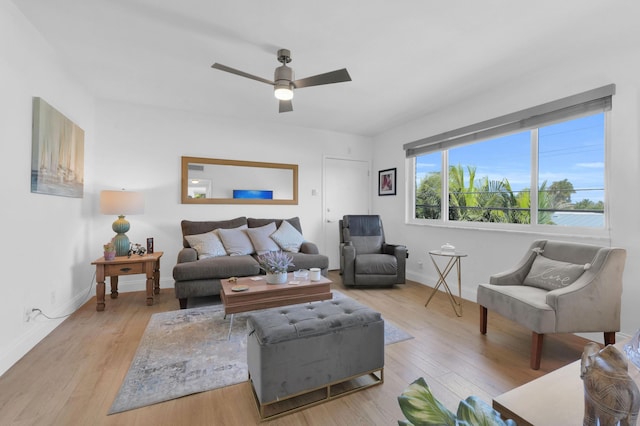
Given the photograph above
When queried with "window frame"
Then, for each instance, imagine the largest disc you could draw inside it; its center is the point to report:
(533, 227)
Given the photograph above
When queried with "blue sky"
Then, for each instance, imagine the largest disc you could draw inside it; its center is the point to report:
(572, 150)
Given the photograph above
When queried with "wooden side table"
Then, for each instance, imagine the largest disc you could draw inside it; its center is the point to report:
(454, 261)
(148, 264)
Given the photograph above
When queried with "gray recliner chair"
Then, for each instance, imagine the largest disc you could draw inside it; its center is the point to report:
(365, 258)
(558, 287)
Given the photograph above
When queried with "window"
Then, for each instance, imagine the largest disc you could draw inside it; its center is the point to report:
(571, 165)
(489, 181)
(428, 171)
(551, 173)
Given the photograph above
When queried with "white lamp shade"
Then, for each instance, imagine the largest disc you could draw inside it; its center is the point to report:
(121, 202)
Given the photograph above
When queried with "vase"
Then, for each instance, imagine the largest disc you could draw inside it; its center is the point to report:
(109, 255)
(276, 277)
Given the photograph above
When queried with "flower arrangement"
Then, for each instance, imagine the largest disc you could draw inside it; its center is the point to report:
(110, 246)
(275, 261)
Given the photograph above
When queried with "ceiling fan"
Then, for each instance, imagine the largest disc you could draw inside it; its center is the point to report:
(283, 81)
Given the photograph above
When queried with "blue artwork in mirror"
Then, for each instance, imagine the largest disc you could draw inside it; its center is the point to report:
(253, 194)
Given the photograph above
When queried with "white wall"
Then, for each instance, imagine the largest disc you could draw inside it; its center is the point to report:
(49, 242)
(493, 251)
(147, 143)
(45, 239)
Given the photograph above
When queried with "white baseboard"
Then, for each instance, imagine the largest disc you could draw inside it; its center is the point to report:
(430, 280)
(40, 326)
(38, 329)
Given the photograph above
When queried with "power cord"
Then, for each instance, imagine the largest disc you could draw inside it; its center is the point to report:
(38, 311)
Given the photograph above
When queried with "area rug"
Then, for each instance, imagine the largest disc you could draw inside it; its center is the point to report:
(189, 351)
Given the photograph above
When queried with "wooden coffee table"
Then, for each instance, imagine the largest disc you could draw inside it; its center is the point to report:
(261, 295)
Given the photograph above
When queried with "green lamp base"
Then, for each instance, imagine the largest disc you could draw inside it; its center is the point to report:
(121, 226)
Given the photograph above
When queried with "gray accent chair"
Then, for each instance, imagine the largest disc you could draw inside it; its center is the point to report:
(365, 258)
(590, 304)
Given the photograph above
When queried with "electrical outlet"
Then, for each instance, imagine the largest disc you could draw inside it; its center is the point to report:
(28, 312)
(420, 264)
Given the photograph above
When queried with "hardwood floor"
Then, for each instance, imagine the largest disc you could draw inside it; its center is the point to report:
(72, 376)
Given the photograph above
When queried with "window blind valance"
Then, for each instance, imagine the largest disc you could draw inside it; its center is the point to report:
(592, 101)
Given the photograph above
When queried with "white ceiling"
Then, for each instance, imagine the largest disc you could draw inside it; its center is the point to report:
(407, 58)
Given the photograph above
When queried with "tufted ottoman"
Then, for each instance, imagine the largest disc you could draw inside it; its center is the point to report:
(313, 352)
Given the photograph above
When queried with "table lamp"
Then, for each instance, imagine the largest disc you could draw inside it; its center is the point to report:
(121, 203)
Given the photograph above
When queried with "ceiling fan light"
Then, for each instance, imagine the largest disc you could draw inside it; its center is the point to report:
(283, 92)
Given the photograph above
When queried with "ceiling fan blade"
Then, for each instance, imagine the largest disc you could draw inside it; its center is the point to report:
(241, 73)
(286, 106)
(337, 76)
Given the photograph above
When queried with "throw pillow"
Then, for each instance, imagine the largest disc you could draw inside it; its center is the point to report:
(207, 244)
(261, 238)
(552, 274)
(236, 241)
(288, 237)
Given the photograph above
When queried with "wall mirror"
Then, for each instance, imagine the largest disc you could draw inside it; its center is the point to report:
(218, 181)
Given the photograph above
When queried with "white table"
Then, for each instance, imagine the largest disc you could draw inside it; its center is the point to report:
(556, 398)
(453, 261)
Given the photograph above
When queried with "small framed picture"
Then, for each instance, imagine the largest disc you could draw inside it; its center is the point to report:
(387, 182)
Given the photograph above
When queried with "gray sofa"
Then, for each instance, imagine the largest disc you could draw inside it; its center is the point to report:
(195, 276)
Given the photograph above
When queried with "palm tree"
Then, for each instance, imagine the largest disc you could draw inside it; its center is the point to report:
(462, 198)
(481, 200)
(499, 202)
(545, 204)
(428, 197)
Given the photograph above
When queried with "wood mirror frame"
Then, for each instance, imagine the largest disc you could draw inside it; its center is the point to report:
(281, 180)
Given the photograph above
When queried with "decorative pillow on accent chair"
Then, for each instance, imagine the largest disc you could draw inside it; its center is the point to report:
(207, 244)
(550, 274)
(236, 241)
(288, 237)
(261, 238)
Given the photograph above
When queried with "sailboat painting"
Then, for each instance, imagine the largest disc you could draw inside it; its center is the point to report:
(57, 153)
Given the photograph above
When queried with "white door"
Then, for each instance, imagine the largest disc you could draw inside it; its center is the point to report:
(348, 189)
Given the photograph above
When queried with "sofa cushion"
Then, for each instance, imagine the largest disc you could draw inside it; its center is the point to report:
(308, 261)
(550, 274)
(376, 264)
(236, 241)
(367, 244)
(364, 232)
(288, 237)
(200, 227)
(525, 305)
(216, 268)
(261, 238)
(255, 223)
(207, 244)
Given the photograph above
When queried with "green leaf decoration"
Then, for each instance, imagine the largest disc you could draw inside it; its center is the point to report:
(421, 408)
(476, 412)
